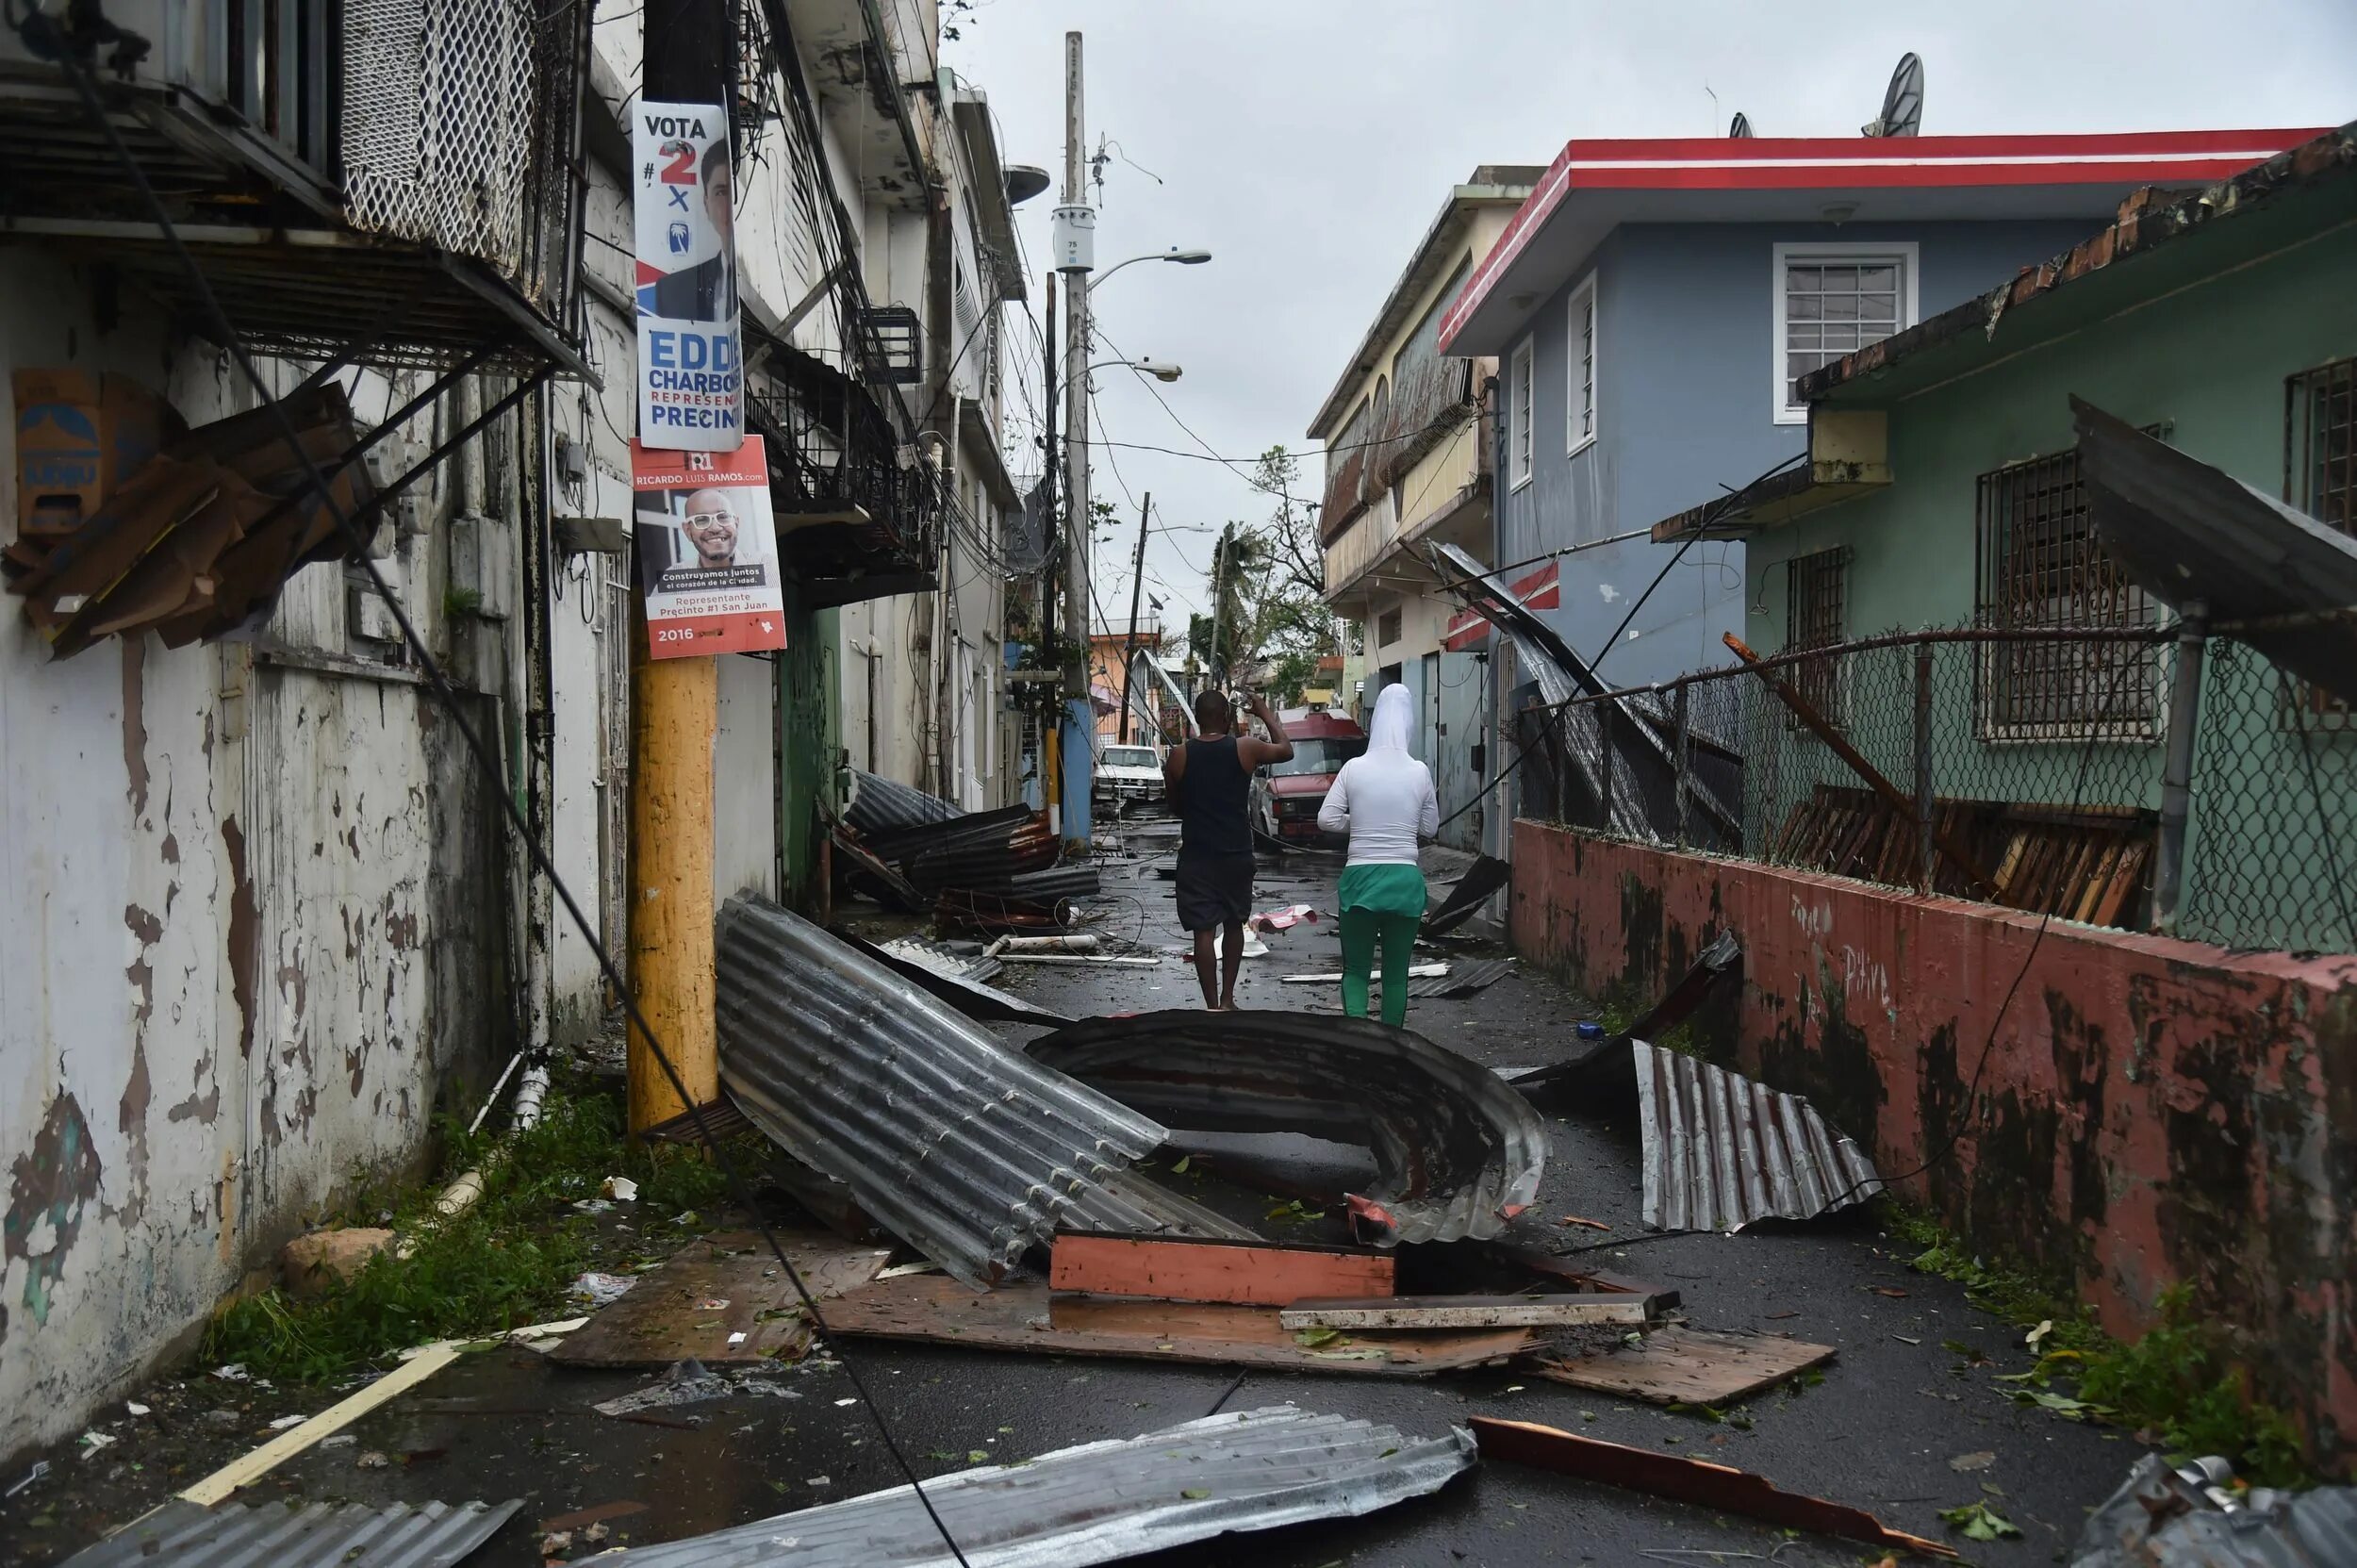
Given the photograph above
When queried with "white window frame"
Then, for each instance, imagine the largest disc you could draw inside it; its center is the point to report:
(1521, 396)
(1904, 254)
(1579, 400)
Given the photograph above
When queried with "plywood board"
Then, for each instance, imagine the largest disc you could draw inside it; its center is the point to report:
(1027, 1316)
(1424, 1314)
(722, 1299)
(1690, 1366)
(1238, 1273)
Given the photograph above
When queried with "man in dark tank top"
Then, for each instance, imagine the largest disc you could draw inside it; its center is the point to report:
(1210, 778)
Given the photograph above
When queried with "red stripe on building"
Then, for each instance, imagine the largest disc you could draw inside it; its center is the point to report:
(1542, 589)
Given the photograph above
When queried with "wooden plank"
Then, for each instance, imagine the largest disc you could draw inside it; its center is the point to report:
(420, 1366)
(723, 1300)
(1026, 1318)
(2098, 877)
(1239, 1274)
(1426, 1313)
(1690, 1366)
(2123, 883)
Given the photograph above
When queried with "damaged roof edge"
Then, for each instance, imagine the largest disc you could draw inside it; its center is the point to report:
(2141, 229)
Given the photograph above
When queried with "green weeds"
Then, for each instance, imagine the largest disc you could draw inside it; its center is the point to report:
(2178, 1383)
(506, 1262)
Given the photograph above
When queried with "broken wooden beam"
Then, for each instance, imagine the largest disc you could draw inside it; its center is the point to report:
(1676, 1365)
(1688, 1481)
(1403, 1312)
(1236, 1272)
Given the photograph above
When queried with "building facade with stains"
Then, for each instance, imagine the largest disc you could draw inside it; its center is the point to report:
(269, 914)
(1653, 301)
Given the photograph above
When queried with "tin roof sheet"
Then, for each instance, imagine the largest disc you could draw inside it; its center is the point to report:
(1722, 1150)
(1099, 1502)
(292, 1535)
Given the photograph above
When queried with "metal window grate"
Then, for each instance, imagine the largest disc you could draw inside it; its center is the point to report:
(1832, 308)
(1524, 414)
(1816, 606)
(2040, 565)
(2320, 478)
(1583, 359)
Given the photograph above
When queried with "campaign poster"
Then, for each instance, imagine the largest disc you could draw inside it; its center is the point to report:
(691, 384)
(707, 551)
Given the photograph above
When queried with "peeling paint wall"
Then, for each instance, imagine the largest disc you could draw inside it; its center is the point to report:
(257, 921)
(2172, 1113)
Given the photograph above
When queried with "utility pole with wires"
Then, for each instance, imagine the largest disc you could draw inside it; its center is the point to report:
(1079, 519)
(1216, 668)
(675, 711)
(1137, 593)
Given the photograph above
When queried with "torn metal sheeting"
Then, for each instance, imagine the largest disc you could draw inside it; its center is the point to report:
(866, 874)
(315, 1535)
(967, 1150)
(1462, 979)
(959, 982)
(1484, 877)
(2188, 1518)
(1721, 964)
(1457, 1152)
(1688, 1481)
(879, 805)
(1057, 882)
(1030, 1319)
(1100, 1502)
(2185, 532)
(1722, 1150)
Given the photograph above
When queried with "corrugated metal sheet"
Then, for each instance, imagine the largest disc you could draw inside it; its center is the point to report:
(970, 1152)
(958, 980)
(1722, 1150)
(1457, 1152)
(1100, 1502)
(315, 1535)
(2165, 1518)
(879, 805)
(1057, 882)
(1462, 979)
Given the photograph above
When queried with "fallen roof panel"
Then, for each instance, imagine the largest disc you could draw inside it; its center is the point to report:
(2186, 532)
(967, 1150)
(1457, 1152)
(1722, 1150)
(959, 982)
(315, 1535)
(879, 804)
(1484, 877)
(1099, 1502)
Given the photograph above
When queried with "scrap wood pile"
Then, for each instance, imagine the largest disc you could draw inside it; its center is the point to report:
(198, 539)
(989, 871)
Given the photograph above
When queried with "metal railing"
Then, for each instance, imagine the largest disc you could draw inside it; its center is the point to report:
(1890, 759)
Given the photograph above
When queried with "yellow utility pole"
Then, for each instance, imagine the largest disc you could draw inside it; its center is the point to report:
(675, 711)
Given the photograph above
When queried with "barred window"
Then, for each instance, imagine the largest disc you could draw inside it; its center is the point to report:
(2320, 478)
(1815, 596)
(2041, 568)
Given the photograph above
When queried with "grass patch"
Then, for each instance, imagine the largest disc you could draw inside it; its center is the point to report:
(2179, 1382)
(506, 1262)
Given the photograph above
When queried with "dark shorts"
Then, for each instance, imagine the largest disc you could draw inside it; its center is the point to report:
(1214, 890)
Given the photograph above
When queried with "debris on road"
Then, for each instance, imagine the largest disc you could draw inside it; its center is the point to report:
(1723, 1150)
(1688, 1481)
(962, 981)
(1021, 1316)
(1404, 1313)
(722, 1299)
(1677, 1365)
(416, 1366)
(600, 1289)
(292, 1535)
(1457, 1152)
(1099, 1502)
(969, 1151)
(1718, 966)
(1415, 971)
(2194, 1517)
(687, 1383)
(1242, 1274)
(1484, 877)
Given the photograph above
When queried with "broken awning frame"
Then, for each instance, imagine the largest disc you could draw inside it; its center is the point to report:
(1457, 1152)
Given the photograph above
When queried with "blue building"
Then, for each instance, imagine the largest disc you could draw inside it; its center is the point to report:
(1651, 302)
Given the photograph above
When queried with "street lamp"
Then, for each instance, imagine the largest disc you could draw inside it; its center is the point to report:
(1155, 367)
(1196, 256)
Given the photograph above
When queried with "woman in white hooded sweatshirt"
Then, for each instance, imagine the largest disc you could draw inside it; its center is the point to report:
(1386, 800)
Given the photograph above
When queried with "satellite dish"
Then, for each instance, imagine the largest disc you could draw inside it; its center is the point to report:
(1742, 125)
(1902, 104)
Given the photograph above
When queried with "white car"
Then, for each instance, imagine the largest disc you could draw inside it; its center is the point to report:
(1126, 773)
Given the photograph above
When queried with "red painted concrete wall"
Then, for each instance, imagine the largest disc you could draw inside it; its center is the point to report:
(2148, 1110)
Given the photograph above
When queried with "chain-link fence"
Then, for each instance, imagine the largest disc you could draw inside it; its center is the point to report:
(2025, 769)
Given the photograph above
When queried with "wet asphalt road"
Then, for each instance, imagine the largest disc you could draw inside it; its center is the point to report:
(1894, 1409)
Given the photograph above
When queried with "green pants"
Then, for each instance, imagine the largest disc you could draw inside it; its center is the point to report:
(1385, 902)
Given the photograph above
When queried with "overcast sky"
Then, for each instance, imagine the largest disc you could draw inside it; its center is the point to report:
(1308, 143)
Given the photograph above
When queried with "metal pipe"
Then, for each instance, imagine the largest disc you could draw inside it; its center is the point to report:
(1924, 848)
(1685, 763)
(2184, 713)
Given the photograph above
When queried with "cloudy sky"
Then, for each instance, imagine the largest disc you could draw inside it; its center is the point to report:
(1308, 143)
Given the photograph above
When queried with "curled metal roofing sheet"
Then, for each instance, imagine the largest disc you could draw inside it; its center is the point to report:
(1722, 1150)
(2187, 1518)
(967, 1150)
(314, 1535)
(879, 805)
(961, 982)
(1099, 1502)
(1457, 1152)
